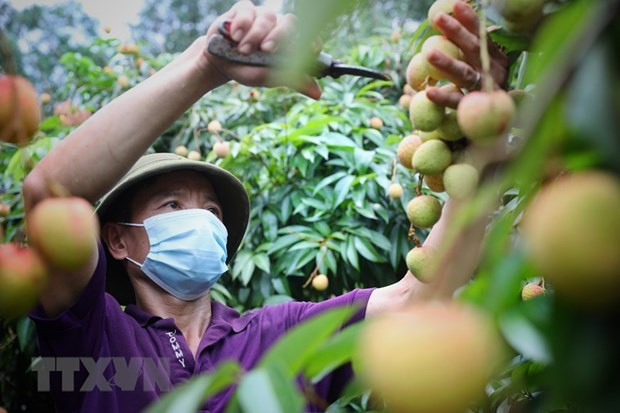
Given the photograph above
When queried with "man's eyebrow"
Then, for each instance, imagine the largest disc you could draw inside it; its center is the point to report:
(165, 193)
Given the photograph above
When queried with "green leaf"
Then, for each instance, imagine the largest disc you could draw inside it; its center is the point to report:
(524, 337)
(246, 272)
(366, 249)
(189, 396)
(342, 190)
(262, 262)
(352, 253)
(25, 332)
(269, 390)
(335, 352)
(327, 181)
(295, 348)
(283, 242)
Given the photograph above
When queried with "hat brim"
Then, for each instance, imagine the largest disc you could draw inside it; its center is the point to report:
(230, 191)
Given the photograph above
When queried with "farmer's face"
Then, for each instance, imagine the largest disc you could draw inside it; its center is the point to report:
(171, 192)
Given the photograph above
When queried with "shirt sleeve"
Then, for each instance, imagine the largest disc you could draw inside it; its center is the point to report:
(76, 331)
(301, 311)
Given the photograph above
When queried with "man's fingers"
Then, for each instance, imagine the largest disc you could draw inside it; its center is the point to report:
(460, 73)
(444, 97)
(310, 88)
(244, 14)
(467, 16)
(283, 29)
(263, 24)
(460, 36)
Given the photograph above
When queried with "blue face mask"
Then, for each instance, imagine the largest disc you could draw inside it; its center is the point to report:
(188, 251)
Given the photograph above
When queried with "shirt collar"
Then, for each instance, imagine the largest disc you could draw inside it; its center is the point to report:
(223, 319)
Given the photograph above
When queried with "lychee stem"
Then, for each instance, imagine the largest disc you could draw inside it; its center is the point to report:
(315, 272)
(393, 171)
(418, 189)
(487, 80)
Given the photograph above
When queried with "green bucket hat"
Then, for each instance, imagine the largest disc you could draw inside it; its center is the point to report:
(230, 192)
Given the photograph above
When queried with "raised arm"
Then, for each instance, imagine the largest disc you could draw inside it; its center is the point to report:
(93, 158)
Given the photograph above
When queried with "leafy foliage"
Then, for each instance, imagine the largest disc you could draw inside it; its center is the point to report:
(317, 176)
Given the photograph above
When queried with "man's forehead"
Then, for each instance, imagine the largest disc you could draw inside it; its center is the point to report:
(177, 182)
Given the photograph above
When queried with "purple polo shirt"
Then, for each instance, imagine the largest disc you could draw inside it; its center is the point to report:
(96, 327)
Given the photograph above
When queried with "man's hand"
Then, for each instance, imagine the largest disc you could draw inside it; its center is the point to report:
(462, 29)
(254, 29)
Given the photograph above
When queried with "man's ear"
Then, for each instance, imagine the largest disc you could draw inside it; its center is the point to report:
(113, 237)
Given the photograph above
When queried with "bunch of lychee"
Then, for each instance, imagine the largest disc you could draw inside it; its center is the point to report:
(221, 148)
(434, 149)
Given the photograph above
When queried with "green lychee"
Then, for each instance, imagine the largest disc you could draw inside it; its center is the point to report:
(442, 44)
(418, 72)
(427, 136)
(424, 211)
(421, 264)
(519, 10)
(460, 180)
(440, 6)
(431, 158)
(425, 114)
(449, 129)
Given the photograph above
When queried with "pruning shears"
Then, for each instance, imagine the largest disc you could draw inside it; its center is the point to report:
(222, 45)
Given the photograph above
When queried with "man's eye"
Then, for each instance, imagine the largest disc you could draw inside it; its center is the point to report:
(213, 210)
(173, 204)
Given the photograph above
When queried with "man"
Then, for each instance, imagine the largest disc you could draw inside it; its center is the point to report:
(170, 226)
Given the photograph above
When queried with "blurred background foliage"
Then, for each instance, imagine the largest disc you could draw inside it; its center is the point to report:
(317, 175)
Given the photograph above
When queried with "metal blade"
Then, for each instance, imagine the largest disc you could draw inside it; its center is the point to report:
(338, 69)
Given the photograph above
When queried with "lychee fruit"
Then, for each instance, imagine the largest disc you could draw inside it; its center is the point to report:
(422, 264)
(440, 6)
(532, 290)
(19, 110)
(431, 158)
(22, 278)
(123, 81)
(406, 149)
(194, 156)
(425, 114)
(413, 355)
(395, 191)
(418, 72)
(320, 282)
(573, 231)
(376, 122)
(442, 44)
(460, 180)
(214, 127)
(449, 129)
(519, 10)
(404, 101)
(64, 231)
(435, 182)
(424, 211)
(181, 150)
(221, 149)
(485, 116)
